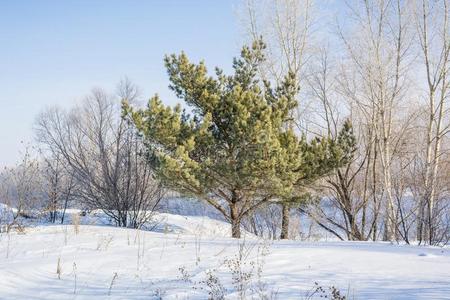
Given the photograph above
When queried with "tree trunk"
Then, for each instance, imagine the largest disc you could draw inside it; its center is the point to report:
(235, 222)
(420, 220)
(236, 229)
(389, 224)
(64, 210)
(285, 222)
(124, 220)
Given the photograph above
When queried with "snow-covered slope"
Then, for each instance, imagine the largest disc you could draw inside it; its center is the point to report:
(193, 225)
(103, 262)
(166, 223)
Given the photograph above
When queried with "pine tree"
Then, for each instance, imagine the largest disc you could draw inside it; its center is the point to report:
(320, 157)
(233, 150)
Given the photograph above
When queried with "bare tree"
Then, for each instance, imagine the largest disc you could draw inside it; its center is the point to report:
(377, 83)
(286, 27)
(105, 155)
(432, 23)
(19, 190)
(59, 185)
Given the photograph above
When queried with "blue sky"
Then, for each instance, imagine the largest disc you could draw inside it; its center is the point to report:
(54, 52)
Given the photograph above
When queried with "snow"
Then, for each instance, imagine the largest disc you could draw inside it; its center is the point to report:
(193, 225)
(105, 262)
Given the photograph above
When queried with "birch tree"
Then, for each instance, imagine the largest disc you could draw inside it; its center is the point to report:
(432, 24)
(377, 49)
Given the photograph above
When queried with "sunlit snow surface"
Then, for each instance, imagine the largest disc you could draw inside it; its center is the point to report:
(104, 262)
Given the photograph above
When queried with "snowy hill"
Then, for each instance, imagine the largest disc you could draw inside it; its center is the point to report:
(191, 257)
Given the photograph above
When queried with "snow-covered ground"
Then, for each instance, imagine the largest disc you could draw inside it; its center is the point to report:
(173, 262)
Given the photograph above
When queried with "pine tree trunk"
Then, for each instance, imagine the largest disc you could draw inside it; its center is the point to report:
(236, 229)
(285, 222)
(235, 222)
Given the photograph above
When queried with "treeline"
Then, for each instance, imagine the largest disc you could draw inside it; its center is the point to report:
(343, 121)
